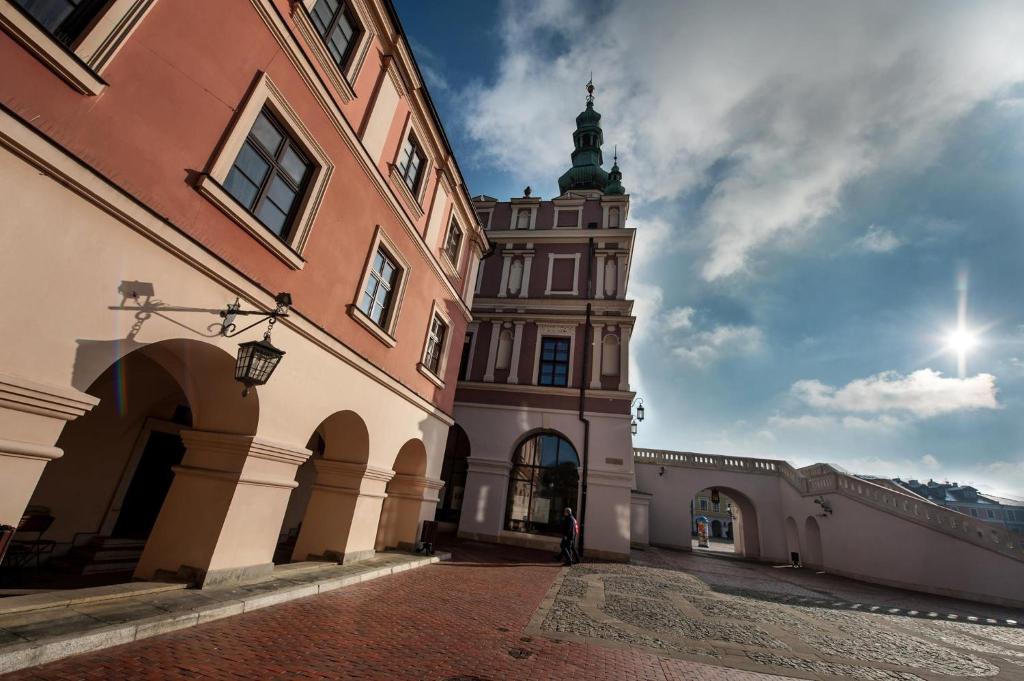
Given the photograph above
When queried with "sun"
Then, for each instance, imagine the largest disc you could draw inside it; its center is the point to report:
(961, 341)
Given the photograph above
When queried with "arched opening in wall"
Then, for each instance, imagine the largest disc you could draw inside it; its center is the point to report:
(814, 556)
(97, 505)
(405, 505)
(338, 508)
(792, 541)
(454, 470)
(543, 481)
(305, 477)
(724, 520)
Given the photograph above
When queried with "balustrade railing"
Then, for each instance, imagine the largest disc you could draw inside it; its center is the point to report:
(825, 478)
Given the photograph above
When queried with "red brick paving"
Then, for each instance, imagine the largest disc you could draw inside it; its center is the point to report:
(447, 621)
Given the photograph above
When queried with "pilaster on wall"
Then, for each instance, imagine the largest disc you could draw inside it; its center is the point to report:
(220, 520)
(32, 416)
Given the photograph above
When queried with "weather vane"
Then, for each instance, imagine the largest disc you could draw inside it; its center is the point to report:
(590, 89)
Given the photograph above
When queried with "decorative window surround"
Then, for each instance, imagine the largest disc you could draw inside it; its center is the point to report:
(385, 335)
(484, 216)
(607, 204)
(211, 183)
(552, 257)
(473, 330)
(452, 262)
(576, 225)
(412, 201)
(479, 275)
(553, 330)
(533, 205)
(341, 79)
(80, 67)
(438, 377)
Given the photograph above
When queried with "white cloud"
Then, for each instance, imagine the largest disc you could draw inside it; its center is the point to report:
(769, 109)
(929, 461)
(679, 318)
(922, 394)
(878, 240)
(707, 347)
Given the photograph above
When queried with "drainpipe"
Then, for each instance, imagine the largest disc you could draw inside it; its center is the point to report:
(588, 332)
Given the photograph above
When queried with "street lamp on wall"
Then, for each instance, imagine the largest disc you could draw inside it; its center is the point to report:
(637, 416)
(256, 360)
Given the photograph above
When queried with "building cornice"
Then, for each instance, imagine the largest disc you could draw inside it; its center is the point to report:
(544, 390)
(566, 235)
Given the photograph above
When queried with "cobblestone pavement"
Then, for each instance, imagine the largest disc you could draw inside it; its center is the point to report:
(776, 619)
(496, 613)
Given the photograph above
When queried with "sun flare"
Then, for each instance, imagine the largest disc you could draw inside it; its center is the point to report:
(961, 340)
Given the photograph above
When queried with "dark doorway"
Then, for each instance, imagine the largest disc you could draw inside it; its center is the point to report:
(149, 485)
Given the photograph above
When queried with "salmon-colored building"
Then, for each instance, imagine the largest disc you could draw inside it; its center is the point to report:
(163, 159)
(543, 403)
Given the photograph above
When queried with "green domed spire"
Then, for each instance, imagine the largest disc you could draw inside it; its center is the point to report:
(586, 171)
(614, 185)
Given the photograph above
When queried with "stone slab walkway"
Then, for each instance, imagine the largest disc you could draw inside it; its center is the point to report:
(40, 628)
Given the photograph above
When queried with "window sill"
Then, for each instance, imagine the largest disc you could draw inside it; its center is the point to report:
(49, 51)
(430, 375)
(380, 334)
(212, 190)
(407, 196)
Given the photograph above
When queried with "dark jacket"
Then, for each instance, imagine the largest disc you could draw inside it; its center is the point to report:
(569, 527)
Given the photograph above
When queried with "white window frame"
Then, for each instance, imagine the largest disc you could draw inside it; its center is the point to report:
(81, 65)
(554, 331)
(437, 378)
(457, 258)
(342, 80)
(552, 257)
(513, 225)
(414, 201)
(484, 216)
(211, 183)
(385, 334)
(606, 214)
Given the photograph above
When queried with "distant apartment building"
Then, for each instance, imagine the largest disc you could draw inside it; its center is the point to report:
(1008, 513)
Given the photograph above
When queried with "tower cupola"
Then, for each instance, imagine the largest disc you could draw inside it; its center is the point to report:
(586, 171)
(614, 185)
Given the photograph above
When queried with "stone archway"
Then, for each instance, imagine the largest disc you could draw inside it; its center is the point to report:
(411, 497)
(739, 512)
(814, 555)
(340, 520)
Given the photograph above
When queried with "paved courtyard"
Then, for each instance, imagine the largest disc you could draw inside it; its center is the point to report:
(495, 613)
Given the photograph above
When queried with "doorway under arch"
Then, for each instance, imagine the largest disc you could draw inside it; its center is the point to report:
(454, 471)
(812, 533)
(543, 481)
(792, 540)
(400, 514)
(731, 522)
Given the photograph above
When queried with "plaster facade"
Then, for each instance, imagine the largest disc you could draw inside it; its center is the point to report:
(121, 232)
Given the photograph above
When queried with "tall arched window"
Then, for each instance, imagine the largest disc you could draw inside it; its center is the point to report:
(544, 480)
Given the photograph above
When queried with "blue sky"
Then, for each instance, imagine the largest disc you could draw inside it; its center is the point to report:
(808, 182)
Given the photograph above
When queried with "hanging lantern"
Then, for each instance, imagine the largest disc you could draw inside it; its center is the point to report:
(256, 362)
(640, 412)
(632, 427)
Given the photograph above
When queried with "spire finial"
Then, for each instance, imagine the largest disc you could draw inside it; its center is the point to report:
(615, 155)
(590, 89)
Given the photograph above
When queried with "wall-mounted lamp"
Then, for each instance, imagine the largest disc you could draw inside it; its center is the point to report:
(632, 426)
(728, 510)
(256, 359)
(637, 416)
(826, 508)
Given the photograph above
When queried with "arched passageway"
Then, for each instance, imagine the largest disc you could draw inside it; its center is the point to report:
(724, 519)
(305, 479)
(454, 471)
(543, 481)
(814, 556)
(402, 509)
(126, 495)
(792, 541)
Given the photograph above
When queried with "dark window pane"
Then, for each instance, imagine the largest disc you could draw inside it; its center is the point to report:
(266, 134)
(281, 194)
(252, 165)
(294, 165)
(241, 188)
(272, 217)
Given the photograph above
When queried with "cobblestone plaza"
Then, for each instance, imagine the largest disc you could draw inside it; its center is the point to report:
(514, 614)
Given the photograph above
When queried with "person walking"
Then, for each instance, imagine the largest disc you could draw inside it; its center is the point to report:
(570, 531)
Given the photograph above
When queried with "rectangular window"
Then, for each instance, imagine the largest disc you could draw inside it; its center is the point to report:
(338, 27)
(974, 512)
(703, 504)
(1011, 516)
(377, 297)
(991, 514)
(65, 20)
(435, 345)
(269, 175)
(410, 163)
(554, 362)
(453, 242)
(717, 507)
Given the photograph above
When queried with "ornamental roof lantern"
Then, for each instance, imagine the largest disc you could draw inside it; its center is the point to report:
(614, 185)
(586, 171)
